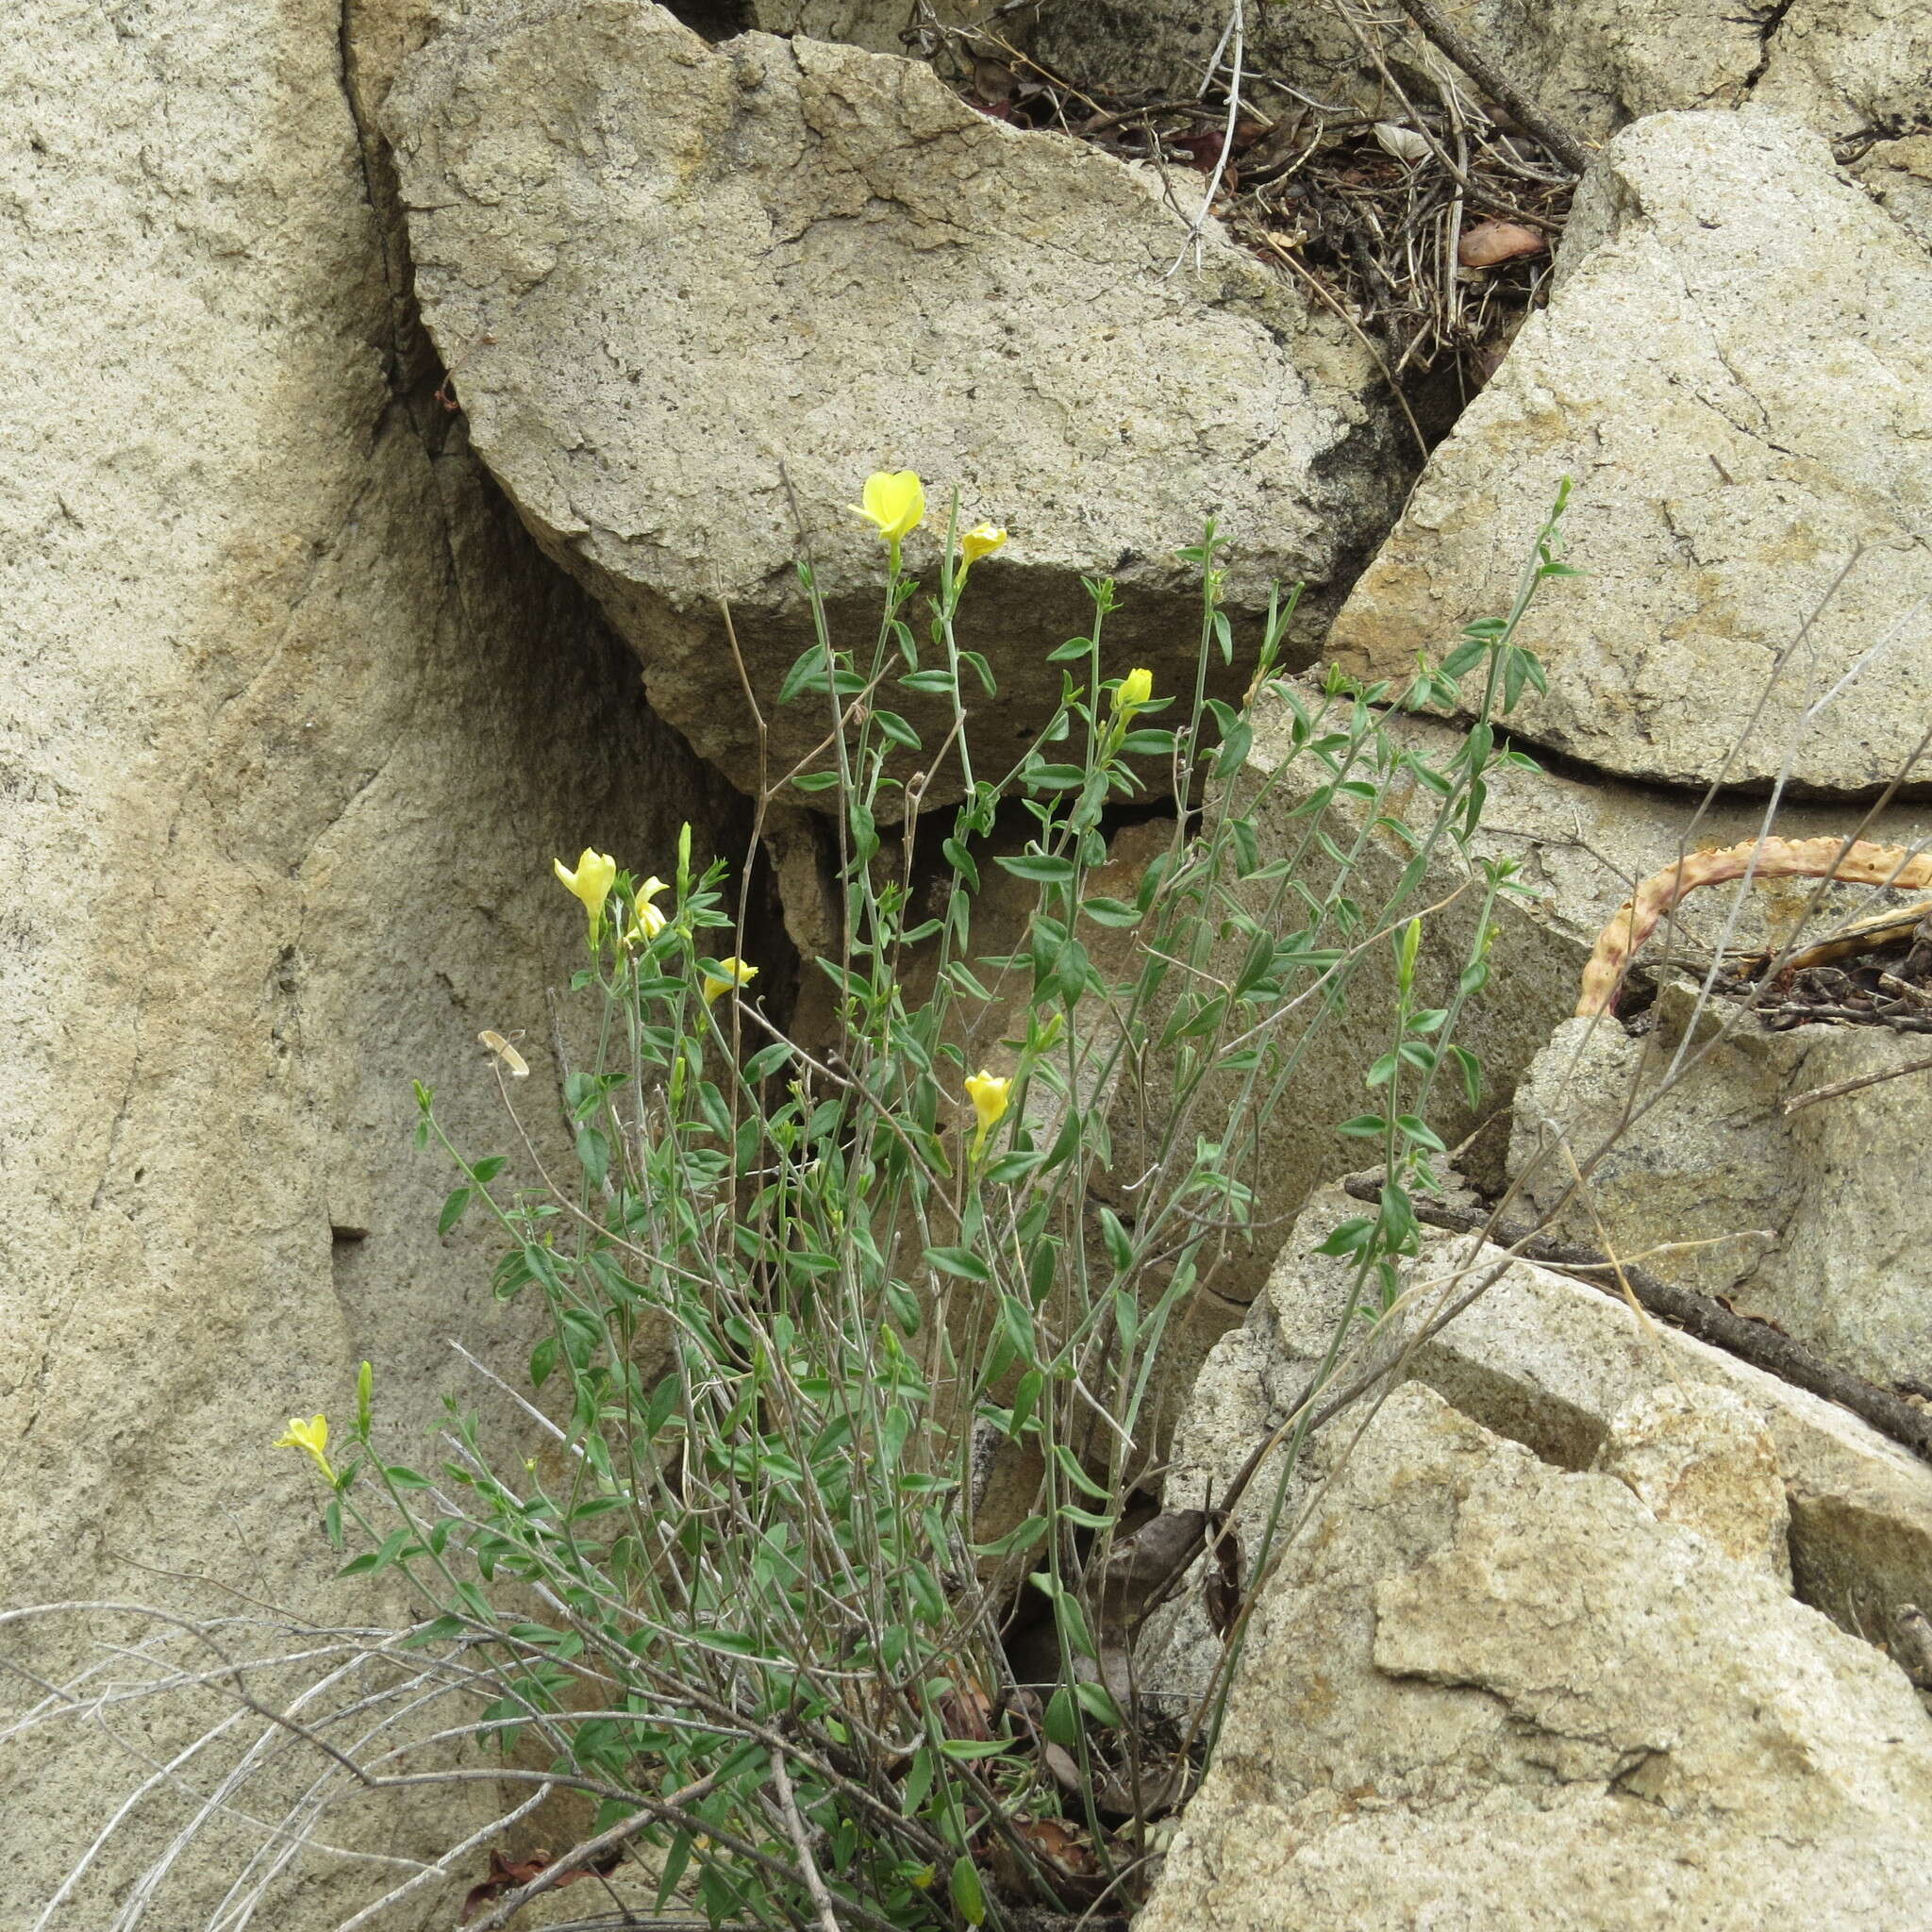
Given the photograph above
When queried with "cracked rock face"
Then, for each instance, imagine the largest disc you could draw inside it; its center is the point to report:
(1736, 369)
(1841, 66)
(296, 719)
(1819, 1221)
(1481, 1691)
(668, 275)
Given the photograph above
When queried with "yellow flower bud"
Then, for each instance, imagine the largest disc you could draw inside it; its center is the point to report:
(896, 501)
(990, 1097)
(1134, 691)
(649, 922)
(596, 875)
(721, 978)
(312, 1438)
(981, 540)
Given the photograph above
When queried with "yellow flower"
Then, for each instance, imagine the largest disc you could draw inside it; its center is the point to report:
(591, 882)
(990, 1095)
(1134, 691)
(981, 540)
(721, 978)
(649, 922)
(896, 501)
(312, 1438)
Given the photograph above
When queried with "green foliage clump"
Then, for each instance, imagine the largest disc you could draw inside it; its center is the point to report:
(802, 1299)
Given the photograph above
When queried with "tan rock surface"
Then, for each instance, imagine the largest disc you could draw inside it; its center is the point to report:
(1841, 66)
(1480, 1692)
(663, 271)
(1703, 1458)
(1817, 1219)
(1551, 1364)
(1736, 368)
(296, 719)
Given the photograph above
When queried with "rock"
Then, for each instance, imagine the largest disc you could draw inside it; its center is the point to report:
(663, 271)
(1703, 1458)
(1578, 847)
(1898, 175)
(880, 25)
(1480, 1691)
(1736, 368)
(1582, 842)
(1842, 66)
(1553, 1364)
(1812, 1220)
(296, 719)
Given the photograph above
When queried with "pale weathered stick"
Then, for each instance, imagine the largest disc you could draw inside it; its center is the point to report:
(1765, 859)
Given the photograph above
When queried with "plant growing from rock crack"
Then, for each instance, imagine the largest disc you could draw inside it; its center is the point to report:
(807, 1299)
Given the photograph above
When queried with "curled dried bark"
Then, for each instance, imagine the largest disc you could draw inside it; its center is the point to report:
(1766, 859)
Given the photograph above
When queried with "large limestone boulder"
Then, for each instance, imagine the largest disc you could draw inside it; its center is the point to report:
(1568, 1371)
(1736, 368)
(296, 718)
(669, 277)
(1481, 1691)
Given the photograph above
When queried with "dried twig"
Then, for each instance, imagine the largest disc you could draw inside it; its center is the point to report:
(1840, 1086)
(1481, 69)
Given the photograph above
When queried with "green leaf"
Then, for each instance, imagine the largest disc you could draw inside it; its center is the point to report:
(593, 1155)
(918, 1780)
(1070, 1468)
(1026, 1394)
(1086, 1518)
(1072, 1620)
(1062, 1724)
(969, 1896)
(1039, 867)
(767, 1060)
(1021, 1537)
(1364, 1127)
(961, 861)
(1067, 653)
(433, 1632)
(807, 672)
(935, 682)
(815, 781)
(960, 1261)
(970, 1750)
(1017, 1320)
(1096, 1701)
(1350, 1238)
(453, 1209)
(1110, 911)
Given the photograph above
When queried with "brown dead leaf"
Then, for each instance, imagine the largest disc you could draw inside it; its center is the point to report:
(508, 1874)
(1490, 243)
(1061, 1762)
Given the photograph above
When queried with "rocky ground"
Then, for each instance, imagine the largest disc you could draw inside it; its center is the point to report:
(397, 388)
